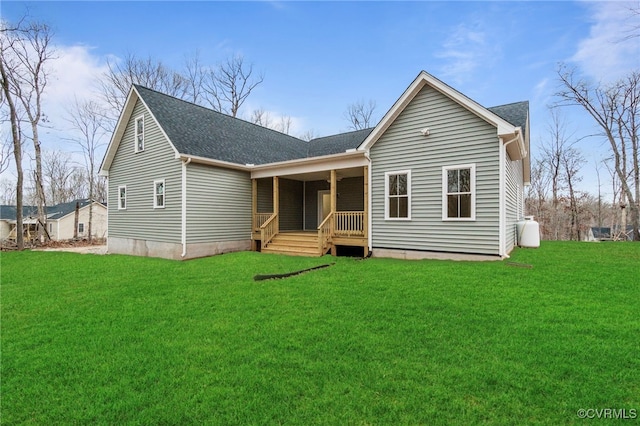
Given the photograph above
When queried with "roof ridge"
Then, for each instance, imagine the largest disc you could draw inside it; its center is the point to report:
(510, 103)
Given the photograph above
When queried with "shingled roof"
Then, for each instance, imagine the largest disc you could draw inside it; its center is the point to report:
(202, 132)
(198, 131)
(515, 113)
(337, 143)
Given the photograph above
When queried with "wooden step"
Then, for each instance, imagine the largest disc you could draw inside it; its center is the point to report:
(294, 244)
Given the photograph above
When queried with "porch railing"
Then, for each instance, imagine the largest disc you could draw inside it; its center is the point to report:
(259, 219)
(268, 230)
(350, 224)
(325, 232)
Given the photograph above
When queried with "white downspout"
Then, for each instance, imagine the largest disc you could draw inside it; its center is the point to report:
(184, 207)
(501, 200)
(369, 221)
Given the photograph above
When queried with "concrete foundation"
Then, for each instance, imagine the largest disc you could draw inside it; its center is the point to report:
(419, 255)
(147, 248)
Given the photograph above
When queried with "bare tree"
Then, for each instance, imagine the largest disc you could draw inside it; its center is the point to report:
(5, 153)
(360, 114)
(227, 87)
(57, 170)
(616, 110)
(8, 66)
(261, 117)
(116, 82)
(308, 135)
(572, 160)
(194, 76)
(30, 51)
(553, 150)
(87, 119)
(537, 193)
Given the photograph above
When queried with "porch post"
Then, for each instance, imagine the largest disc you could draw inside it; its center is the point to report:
(254, 211)
(333, 205)
(276, 202)
(365, 219)
(333, 191)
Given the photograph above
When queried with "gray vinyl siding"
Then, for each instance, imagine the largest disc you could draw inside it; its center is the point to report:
(311, 202)
(265, 195)
(138, 171)
(290, 214)
(218, 204)
(457, 137)
(513, 200)
(350, 198)
(350, 194)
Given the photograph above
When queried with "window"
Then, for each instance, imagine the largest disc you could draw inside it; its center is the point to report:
(139, 134)
(158, 194)
(50, 227)
(81, 228)
(458, 192)
(122, 197)
(398, 195)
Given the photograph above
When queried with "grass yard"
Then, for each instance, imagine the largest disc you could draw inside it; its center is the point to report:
(124, 340)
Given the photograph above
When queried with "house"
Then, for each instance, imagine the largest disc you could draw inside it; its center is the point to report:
(439, 176)
(60, 220)
(596, 233)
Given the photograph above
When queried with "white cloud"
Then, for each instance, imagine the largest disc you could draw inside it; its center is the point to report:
(608, 53)
(74, 73)
(464, 50)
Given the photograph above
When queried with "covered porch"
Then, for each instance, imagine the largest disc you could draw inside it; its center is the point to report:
(311, 213)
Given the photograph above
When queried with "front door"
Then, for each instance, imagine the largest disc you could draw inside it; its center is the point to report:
(324, 205)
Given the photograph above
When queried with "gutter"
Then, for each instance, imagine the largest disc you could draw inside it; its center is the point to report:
(518, 138)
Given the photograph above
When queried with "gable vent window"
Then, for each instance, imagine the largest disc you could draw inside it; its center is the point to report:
(139, 134)
(459, 192)
(158, 194)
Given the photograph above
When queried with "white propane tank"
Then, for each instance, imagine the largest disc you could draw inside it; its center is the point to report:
(528, 232)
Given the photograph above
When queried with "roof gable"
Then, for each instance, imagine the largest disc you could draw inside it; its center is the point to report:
(503, 126)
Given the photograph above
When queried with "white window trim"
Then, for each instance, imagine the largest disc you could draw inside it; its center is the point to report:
(445, 169)
(81, 224)
(164, 194)
(386, 195)
(144, 129)
(125, 197)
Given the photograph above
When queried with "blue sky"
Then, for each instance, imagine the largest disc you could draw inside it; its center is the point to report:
(317, 57)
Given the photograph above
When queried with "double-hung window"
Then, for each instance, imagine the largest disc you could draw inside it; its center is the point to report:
(398, 195)
(459, 192)
(122, 197)
(139, 139)
(158, 194)
(81, 228)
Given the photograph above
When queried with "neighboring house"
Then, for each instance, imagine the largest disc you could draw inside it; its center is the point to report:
(8, 221)
(596, 233)
(440, 175)
(60, 220)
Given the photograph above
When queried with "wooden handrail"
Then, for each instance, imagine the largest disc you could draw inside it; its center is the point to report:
(268, 230)
(349, 223)
(259, 219)
(325, 232)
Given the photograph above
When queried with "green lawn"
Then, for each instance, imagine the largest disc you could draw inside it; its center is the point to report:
(124, 340)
